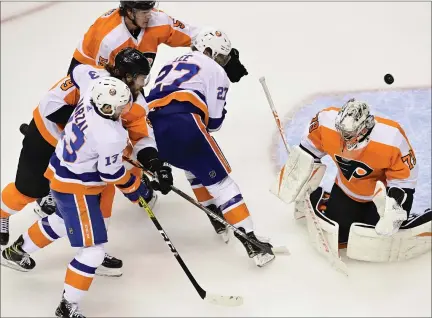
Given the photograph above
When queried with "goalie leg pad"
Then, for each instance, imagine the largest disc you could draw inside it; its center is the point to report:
(329, 228)
(365, 244)
(298, 175)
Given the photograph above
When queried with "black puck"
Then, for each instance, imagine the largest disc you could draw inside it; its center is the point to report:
(389, 79)
(23, 128)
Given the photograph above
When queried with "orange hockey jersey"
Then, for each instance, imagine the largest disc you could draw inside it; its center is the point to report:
(388, 156)
(108, 35)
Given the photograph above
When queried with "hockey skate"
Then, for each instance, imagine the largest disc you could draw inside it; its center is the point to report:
(4, 232)
(45, 206)
(221, 229)
(67, 309)
(15, 258)
(110, 266)
(260, 257)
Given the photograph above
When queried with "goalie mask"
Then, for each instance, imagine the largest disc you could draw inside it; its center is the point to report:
(354, 123)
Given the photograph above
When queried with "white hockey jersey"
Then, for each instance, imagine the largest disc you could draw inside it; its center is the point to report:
(89, 155)
(198, 82)
(140, 133)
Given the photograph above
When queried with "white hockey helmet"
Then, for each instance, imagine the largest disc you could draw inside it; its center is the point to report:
(215, 40)
(354, 123)
(110, 91)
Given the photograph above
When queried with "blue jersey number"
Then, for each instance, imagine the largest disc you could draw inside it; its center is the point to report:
(93, 75)
(70, 147)
(222, 91)
(192, 69)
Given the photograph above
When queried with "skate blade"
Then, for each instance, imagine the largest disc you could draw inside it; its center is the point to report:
(225, 236)
(108, 272)
(13, 265)
(263, 260)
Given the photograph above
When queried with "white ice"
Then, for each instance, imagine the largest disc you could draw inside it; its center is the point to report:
(303, 49)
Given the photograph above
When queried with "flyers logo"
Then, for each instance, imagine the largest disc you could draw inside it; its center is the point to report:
(352, 168)
(102, 61)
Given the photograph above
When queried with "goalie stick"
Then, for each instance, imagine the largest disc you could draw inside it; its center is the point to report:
(276, 249)
(310, 214)
(211, 298)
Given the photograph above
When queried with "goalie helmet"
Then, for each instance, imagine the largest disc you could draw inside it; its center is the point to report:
(110, 91)
(354, 123)
(215, 40)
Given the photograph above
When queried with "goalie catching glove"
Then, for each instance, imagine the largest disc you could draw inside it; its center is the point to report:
(149, 159)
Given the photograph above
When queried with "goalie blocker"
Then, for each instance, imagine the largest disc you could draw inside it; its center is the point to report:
(370, 228)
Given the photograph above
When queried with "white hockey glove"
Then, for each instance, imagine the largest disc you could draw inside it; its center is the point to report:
(391, 213)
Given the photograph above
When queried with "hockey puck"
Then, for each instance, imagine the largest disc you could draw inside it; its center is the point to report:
(389, 79)
(24, 128)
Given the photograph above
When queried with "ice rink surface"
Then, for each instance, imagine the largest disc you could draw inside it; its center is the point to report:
(312, 54)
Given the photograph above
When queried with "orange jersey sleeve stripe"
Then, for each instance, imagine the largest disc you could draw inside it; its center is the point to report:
(392, 123)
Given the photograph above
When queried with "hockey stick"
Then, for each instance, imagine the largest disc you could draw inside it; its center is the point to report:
(276, 249)
(211, 298)
(310, 214)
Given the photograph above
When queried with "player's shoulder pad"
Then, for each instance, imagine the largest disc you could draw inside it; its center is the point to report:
(83, 73)
(158, 18)
(110, 13)
(389, 132)
(326, 117)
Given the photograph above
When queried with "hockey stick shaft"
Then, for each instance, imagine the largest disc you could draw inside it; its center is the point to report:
(310, 213)
(216, 299)
(274, 111)
(155, 221)
(201, 207)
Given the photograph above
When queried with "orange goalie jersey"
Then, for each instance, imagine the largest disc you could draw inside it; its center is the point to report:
(108, 35)
(388, 156)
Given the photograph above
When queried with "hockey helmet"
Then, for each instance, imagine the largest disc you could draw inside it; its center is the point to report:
(131, 61)
(354, 123)
(110, 91)
(139, 5)
(215, 40)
